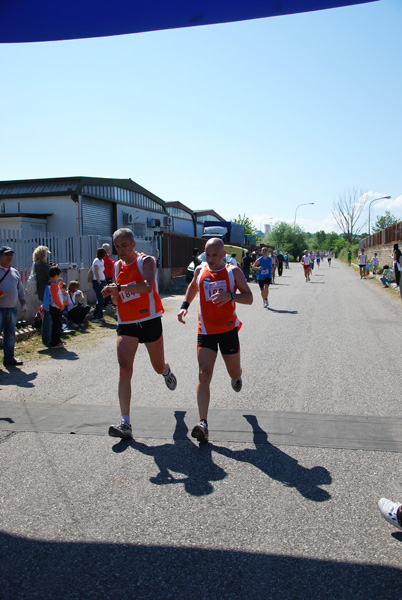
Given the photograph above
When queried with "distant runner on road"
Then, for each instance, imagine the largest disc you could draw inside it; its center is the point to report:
(306, 262)
(264, 267)
(218, 324)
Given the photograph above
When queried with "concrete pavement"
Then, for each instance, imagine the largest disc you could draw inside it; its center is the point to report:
(86, 516)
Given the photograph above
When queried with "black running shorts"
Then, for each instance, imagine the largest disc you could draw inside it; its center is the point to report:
(263, 282)
(145, 331)
(228, 342)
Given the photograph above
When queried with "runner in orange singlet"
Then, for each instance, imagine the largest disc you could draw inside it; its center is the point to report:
(218, 324)
(139, 312)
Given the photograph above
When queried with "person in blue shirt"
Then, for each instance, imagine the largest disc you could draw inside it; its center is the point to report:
(263, 266)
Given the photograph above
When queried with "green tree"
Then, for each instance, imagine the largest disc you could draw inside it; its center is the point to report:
(384, 222)
(243, 220)
(286, 238)
(320, 240)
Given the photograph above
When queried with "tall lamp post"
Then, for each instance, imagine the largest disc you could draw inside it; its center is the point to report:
(375, 200)
(304, 204)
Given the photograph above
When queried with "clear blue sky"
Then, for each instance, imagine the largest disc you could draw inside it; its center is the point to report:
(254, 117)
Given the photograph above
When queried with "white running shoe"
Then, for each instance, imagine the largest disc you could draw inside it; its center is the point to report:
(170, 380)
(389, 511)
(265, 304)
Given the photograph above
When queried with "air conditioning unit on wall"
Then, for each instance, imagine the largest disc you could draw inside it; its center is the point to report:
(167, 221)
(128, 219)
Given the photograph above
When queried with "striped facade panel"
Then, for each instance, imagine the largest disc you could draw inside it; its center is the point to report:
(97, 217)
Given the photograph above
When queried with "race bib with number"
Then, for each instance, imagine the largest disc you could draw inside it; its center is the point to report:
(128, 296)
(265, 272)
(211, 288)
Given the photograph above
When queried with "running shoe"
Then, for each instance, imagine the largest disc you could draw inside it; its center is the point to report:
(122, 430)
(265, 304)
(60, 345)
(170, 380)
(200, 432)
(390, 510)
(237, 384)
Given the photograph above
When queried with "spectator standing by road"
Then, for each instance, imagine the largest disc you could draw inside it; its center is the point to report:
(11, 291)
(233, 259)
(195, 258)
(109, 271)
(218, 324)
(374, 262)
(286, 258)
(349, 258)
(396, 255)
(98, 283)
(245, 265)
(56, 307)
(279, 258)
(362, 263)
(41, 269)
(139, 314)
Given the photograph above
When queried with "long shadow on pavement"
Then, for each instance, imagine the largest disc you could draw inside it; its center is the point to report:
(278, 465)
(183, 456)
(195, 462)
(47, 570)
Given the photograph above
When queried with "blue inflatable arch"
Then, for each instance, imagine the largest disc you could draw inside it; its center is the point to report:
(46, 20)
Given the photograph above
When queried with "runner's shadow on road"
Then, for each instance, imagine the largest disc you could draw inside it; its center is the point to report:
(285, 312)
(193, 462)
(278, 465)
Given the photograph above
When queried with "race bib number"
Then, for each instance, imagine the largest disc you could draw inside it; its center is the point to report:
(128, 296)
(265, 272)
(211, 288)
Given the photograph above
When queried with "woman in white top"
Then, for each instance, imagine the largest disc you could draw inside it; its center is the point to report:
(98, 283)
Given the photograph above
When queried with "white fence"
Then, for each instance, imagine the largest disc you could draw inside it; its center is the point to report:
(78, 251)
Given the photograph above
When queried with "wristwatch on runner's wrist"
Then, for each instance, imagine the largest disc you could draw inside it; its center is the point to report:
(119, 287)
(233, 295)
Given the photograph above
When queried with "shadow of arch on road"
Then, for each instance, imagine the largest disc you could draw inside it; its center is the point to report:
(183, 456)
(47, 570)
(279, 466)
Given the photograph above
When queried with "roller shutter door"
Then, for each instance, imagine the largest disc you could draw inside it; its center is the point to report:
(97, 217)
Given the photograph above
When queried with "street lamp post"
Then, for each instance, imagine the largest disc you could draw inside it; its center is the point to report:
(375, 200)
(304, 204)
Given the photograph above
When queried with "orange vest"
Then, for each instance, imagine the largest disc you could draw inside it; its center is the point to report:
(132, 307)
(211, 318)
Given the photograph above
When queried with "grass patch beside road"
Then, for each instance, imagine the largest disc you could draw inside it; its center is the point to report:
(32, 348)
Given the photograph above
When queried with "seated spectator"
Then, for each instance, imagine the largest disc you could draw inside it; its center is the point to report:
(387, 276)
(77, 310)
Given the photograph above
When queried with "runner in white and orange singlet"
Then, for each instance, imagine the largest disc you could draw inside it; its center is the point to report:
(139, 312)
(218, 323)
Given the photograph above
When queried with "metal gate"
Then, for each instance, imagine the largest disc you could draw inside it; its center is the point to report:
(97, 217)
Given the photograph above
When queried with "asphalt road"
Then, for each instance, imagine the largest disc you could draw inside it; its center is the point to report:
(271, 515)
